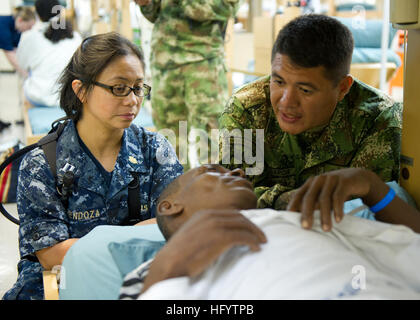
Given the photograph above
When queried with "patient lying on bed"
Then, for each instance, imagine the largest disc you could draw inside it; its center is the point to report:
(220, 247)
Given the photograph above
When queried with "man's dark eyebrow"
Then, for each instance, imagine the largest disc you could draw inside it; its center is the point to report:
(307, 84)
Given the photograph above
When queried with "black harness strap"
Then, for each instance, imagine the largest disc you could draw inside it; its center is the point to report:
(49, 146)
(134, 214)
(3, 166)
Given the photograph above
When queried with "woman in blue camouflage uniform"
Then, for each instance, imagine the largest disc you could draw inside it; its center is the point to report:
(101, 92)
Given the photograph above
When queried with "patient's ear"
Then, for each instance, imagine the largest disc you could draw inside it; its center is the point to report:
(168, 207)
(78, 90)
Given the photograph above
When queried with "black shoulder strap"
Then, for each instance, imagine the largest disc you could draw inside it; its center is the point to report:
(49, 146)
(134, 214)
(4, 165)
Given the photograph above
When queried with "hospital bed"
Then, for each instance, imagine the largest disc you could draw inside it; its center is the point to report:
(111, 252)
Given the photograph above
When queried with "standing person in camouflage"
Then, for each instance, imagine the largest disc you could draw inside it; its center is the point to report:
(187, 63)
(316, 118)
(101, 92)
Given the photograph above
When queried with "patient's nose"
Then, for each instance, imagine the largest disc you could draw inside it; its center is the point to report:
(237, 172)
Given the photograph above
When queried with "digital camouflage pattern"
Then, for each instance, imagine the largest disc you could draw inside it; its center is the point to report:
(364, 131)
(187, 64)
(44, 221)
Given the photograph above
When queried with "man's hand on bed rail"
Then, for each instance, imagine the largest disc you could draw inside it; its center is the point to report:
(200, 241)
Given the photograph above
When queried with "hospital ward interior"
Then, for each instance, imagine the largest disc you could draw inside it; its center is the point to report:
(385, 61)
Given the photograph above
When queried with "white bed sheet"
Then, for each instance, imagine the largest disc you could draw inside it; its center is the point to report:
(358, 259)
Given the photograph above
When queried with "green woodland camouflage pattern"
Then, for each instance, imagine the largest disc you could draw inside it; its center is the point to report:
(364, 131)
(187, 31)
(187, 62)
(196, 93)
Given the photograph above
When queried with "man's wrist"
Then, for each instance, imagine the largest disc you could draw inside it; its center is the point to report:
(384, 202)
(377, 189)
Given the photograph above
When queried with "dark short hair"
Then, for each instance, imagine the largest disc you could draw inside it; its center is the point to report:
(44, 9)
(90, 59)
(317, 40)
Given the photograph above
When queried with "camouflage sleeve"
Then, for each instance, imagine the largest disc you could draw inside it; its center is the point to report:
(380, 148)
(205, 10)
(43, 219)
(380, 152)
(151, 11)
(276, 197)
(232, 122)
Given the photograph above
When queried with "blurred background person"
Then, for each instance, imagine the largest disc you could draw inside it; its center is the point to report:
(44, 52)
(188, 68)
(11, 28)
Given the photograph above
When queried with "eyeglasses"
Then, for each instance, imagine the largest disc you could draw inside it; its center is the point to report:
(121, 90)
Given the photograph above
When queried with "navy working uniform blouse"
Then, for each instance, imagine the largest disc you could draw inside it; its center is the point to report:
(45, 222)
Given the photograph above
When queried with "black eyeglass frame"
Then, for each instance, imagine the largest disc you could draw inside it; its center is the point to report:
(111, 88)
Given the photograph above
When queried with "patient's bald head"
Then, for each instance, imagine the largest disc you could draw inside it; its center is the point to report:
(207, 187)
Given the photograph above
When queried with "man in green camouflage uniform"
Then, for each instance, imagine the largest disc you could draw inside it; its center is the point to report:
(314, 116)
(187, 61)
